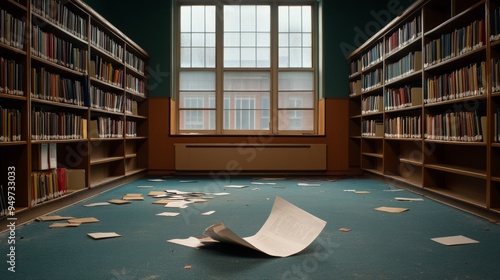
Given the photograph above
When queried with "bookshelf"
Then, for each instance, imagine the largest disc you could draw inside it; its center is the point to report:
(431, 121)
(73, 101)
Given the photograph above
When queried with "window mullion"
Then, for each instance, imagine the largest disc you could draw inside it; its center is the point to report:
(273, 119)
(219, 69)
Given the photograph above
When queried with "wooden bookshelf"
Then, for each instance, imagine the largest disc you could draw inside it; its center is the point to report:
(441, 106)
(95, 71)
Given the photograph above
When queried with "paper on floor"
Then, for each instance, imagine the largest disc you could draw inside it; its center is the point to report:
(102, 235)
(287, 231)
(454, 240)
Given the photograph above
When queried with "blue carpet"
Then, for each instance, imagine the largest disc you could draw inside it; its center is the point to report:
(379, 246)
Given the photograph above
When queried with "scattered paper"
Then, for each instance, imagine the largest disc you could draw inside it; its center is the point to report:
(133, 196)
(118, 201)
(394, 190)
(103, 235)
(178, 192)
(62, 225)
(235, 186)
(344, 229)
(408, 199)
(156, 193)
(308, 185)
(83, 220)
(391, 209)
(192, 242)
(349, 190)
(454, 240)
(145, 187)
(221, 193)
(163, 201)
(361, 192)
(287, 231)
(97, 204)
(187, 267)
(53, 218)
(168, 214)
(262, 183)
(156, 180)
(197, 200)
(178, 204)
(208, 213)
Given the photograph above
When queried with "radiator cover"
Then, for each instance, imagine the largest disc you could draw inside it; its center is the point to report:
(249, 157)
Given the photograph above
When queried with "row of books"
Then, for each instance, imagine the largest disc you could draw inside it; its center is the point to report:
(4, 208)
(134, 62)
(106, 71)
(10, 125)
(372, 128)
(47, 185)
(11, 77)
(495, 74)
(106, 127)
(403, 127)
(354, 67)
(54, 87)
(373, 56)
(52, 48)
(456, 43)
(371, 104)
(405, 34)
(464, 82)
(131, 107)
(408, 64)
(57, 126)
(495, 24)
(403, 97)
(103, 100)
(462, 126)
(101, 40)
(371, 80)
(131, 129)
(355, 87)
(12, 30)
(135, 85)
(60, 15)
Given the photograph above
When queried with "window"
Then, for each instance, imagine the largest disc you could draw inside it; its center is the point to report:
(245, 68)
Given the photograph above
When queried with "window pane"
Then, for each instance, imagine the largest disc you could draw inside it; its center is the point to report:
(252, 24)
(198, 57)
(197, 33)
(198, 40)
(210, 19)
(290, 100)
(198, 19)
(210, 57)
(246, 110)
(247, 81)
(185, 57)
(197, 119)
(295, 27)
(196, 100)
(295, 81)
(296, 120)
(186, 19)
(196, 80)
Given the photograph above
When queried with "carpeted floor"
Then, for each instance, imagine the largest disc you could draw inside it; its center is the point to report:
(380, 245)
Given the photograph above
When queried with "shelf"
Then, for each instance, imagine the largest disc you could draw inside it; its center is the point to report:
(479, 144)
(55, 66)
(451, 23)
(136, 116)
(105, 84)
(408, 78)
(13, 143)
(106, 54)
(412, 182)
(404, 109)
(60, 30)
(475, 98)
(104, 160)
(57, 104)
(106, 112)
(137, 138)
(405, 47)
(62, 141)
(134, 71)
(466, 171)
(458, 196)
(12, 49)
(12, 96)
(104, 181)
(469, 57)
(373, 155)
(135, 171)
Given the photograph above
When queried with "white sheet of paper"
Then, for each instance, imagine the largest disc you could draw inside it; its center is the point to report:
(208, 213)
(409, 199)
(454, 240)
(308, 185)
(168, 214)
(178, 204)
(287, 231)
(262, 183)
(221, 193)
(97, 204)
(190, 242)
(102, 235)
(144, 187)
(394, 190)
(156, 180)
(235, 186)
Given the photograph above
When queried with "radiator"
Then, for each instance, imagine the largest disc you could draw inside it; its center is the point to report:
(248, 157)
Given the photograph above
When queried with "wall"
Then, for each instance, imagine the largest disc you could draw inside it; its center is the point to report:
(346, 24)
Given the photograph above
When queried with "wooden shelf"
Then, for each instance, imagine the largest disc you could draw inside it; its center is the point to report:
(464, 172)
(100, 161)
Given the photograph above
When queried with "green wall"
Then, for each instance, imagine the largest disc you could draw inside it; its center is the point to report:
(346, 25)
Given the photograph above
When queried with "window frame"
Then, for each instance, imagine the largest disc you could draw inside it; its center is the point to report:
(274, 69)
